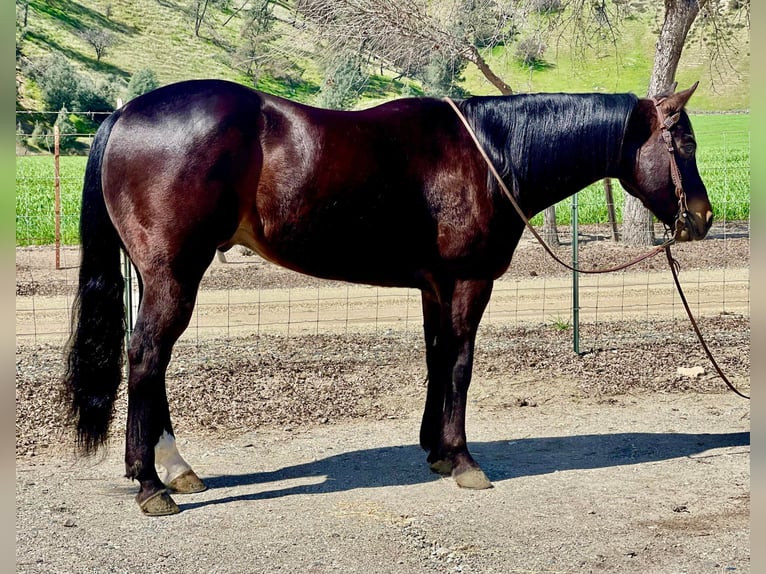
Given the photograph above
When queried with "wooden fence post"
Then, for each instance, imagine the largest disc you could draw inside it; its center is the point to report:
(57, 195)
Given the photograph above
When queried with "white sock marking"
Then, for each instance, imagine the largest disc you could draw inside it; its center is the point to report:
(167, 456)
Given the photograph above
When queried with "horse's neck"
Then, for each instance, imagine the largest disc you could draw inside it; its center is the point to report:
(558, 173)
(554, 145)
(560, 180)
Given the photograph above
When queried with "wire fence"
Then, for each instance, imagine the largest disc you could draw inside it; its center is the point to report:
(246, 296)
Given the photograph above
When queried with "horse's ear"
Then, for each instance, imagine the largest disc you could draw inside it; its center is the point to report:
(678, 100)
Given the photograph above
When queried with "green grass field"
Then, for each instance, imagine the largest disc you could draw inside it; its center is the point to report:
(723, 159)
(35, 221)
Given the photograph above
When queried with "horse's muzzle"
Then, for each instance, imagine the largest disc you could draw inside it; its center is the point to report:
(697, 224)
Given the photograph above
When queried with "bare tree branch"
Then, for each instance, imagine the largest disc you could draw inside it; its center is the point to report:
(405, 35)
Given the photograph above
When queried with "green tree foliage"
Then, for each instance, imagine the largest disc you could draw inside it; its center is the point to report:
(547, 6)
(38, 137)
(343, 83)
(58, 81)
(442, 75)
(66, 128)
(62, 86)
(143, 81)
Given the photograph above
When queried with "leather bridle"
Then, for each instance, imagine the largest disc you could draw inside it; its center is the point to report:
(666, 123)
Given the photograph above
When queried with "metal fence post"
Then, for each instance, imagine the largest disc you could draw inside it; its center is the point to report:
(127, 273)
(575, 280)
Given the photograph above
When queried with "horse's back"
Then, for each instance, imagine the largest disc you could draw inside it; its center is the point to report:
(350, 195)
(378, 196)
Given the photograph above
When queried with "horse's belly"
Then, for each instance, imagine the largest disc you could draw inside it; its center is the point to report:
(368, 258)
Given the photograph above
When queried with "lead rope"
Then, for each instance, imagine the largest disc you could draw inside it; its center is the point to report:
(664, 247)
(674, 269)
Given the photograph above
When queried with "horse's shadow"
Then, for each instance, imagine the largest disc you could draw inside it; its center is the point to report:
(501, 460)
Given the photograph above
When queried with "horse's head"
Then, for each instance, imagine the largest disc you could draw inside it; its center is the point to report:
(662, 170)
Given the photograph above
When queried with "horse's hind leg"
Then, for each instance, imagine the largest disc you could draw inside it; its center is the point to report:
(179, 476)
(166, 308)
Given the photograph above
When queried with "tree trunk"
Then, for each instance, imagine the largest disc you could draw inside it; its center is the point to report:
(679, 17)
(637, 222)
(609, 195)
(550, 231)
(475, 57)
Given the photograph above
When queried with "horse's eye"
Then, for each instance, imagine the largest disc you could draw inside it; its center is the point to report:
(688, 148)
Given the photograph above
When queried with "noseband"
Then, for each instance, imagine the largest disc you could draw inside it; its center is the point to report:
(667, 122)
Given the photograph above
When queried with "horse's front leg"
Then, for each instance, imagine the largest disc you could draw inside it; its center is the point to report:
(461, 314)
(438, 376)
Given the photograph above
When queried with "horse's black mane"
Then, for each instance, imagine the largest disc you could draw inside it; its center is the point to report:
(544, 140)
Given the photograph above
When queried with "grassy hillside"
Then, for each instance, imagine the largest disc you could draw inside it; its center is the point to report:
(148, 33)
(159, 34)
(627, 66)
(156, 34)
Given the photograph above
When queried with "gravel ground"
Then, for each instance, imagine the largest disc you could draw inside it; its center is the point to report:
(278, 382)
(610, 461)
(224, 386)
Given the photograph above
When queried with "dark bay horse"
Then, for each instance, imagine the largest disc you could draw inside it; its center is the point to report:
(396, 195)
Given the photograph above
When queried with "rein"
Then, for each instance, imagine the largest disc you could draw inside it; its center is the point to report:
(666, 122)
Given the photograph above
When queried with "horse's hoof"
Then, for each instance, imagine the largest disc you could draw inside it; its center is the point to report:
(443, 467)
(473, 478)
(187, 483)
(159, 504)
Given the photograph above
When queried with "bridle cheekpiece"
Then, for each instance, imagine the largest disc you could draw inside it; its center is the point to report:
(666, 123)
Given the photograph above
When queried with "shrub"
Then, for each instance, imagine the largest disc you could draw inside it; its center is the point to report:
(143, 81)
(441, 76)
(59, 82)
(67, 132)
(93, 98)
(529, 51)
(62, 86)
(343, 84)
(38, 138)
(547, 6)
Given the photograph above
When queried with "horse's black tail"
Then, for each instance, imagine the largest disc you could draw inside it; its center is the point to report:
(96, 344)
